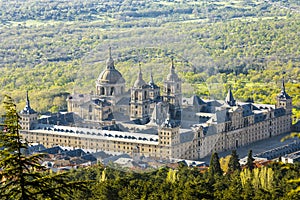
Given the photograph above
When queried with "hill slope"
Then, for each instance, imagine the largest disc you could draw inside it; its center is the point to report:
(54, 47)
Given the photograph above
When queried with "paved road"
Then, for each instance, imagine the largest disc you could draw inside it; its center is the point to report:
(257, 147)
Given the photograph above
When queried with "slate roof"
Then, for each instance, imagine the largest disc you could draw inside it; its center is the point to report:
(101, 155)
(247, 109)
(35, 148)
(89, 157)
(209, 130)
(279, 112)
(100, 134)
(186, 137)
(52, 150)
(75, 153)
(124, 101)
(196, 100)
(221, 116)
(280, 151)
(259, 117)
(62, 118)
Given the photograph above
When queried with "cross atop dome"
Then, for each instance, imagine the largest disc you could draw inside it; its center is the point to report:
(110, 61)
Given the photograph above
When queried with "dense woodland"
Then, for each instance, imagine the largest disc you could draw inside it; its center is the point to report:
(271, 182)
(53, 48)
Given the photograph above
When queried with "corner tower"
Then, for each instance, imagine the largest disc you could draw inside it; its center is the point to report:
(169, 139)
(172, 93)
(283, 100)
(28, 115)
(110, 82)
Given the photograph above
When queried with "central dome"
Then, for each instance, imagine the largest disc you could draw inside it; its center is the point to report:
(110, 75)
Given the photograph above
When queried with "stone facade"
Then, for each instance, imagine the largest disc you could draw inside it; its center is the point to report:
(160, 124)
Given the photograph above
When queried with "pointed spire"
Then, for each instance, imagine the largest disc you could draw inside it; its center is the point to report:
(151, 82)
(110, 60)
(140, 72)
(27, 109)
(229, 98)
(172, 67)
(282, 85)
(172, 76)
(151, 78)
(109, 52)
(283, 93)
(139, 81)
(27, 100)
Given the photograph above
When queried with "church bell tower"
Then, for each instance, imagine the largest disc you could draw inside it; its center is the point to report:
(28, 115)
(139, 101)
(283, 100)
(172, 93)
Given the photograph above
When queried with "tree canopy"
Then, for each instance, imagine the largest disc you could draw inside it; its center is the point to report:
(234, 163)
(22, 176)
(214, 166)
(250, 159)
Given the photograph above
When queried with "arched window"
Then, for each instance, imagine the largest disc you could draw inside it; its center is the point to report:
(102, 92)
(136, 95)
(145, 93)
(112, 89)
(168, 89)
(90, 108)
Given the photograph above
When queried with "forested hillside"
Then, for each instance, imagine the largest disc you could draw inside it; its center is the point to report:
(53, 48)
(271, 182)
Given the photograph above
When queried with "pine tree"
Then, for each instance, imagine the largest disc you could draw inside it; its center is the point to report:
(214, 166)
(234, 163)
(22, 176)
(250, 160)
